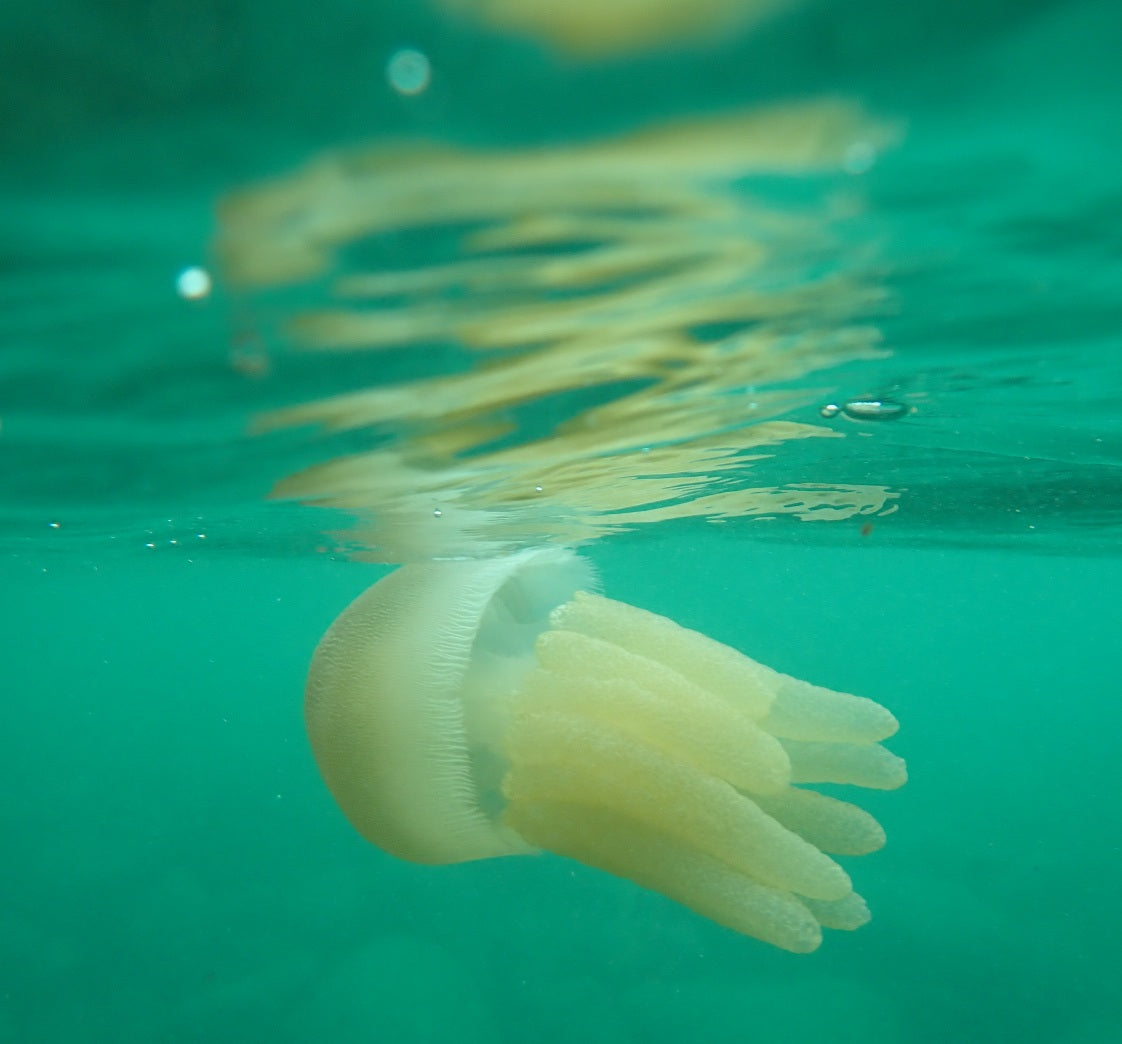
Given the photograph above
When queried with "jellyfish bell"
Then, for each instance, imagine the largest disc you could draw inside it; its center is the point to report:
(467, 709)
(397, 706)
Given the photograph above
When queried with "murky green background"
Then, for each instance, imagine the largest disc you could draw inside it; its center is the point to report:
(173, 869)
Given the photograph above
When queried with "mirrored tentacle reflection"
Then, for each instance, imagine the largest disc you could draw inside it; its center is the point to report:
(617, 332)
(599, 28)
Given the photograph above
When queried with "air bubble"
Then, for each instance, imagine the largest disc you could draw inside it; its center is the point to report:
(193, 283)
(408, 71)
(875, 409)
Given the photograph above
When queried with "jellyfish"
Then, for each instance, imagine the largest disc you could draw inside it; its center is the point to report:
(468, 709)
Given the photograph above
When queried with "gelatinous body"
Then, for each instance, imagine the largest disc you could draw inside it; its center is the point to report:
(467, 709)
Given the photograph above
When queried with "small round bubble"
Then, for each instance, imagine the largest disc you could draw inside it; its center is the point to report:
(408, 71)
(193, 283)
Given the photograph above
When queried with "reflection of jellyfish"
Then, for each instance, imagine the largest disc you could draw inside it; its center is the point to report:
(633, 328)
(465, 709)
(602, 27)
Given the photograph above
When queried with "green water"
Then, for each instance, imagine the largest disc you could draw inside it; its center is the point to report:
(173, 868)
